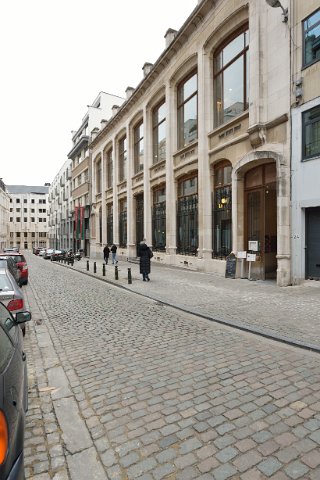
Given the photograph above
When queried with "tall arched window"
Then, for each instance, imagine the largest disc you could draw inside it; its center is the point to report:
(231, 86)
(188, 110)
(159, 132)
(222, 203)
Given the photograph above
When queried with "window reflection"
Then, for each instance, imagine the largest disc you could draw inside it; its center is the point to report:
(231, 79)
(188, 111)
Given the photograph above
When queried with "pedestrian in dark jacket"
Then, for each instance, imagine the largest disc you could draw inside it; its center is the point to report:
(145, 254)
(106, 253)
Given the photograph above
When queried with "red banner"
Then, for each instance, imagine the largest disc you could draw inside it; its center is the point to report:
(81, 221)
(75, 219)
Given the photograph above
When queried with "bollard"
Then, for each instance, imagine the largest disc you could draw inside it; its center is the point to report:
(87, 265)
(129, 276)
(103, 270)
(116, 273)
(94, 267)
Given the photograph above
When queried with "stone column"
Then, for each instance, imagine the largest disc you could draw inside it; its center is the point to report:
(283, 226)
(131, 216)
(171, 140)
(204, 174)
(103, 198)
(147, 200)
(115, 191)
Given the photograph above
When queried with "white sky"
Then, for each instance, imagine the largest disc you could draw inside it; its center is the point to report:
(56, 57)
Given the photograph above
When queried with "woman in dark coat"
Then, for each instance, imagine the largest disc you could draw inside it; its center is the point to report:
(145, 265)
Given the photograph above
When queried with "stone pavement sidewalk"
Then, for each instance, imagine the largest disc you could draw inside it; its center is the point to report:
(289, 314)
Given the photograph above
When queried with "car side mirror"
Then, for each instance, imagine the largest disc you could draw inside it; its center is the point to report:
(22, 317)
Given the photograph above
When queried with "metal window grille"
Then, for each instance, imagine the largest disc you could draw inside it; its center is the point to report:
(159, 226)
(187, 225)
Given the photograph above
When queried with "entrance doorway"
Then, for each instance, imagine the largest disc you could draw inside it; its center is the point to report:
(261, 218)
(312, 243)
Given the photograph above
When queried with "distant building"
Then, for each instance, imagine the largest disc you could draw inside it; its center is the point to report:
(28, 216)
(60, 230)
(4, 215)
(96, 117)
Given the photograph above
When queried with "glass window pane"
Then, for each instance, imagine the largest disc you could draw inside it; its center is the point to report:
(312, 38)
(190, 120)
(190, 86)
(233, 48)
(233, 90)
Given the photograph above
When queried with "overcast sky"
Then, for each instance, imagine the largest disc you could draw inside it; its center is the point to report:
(56, 58)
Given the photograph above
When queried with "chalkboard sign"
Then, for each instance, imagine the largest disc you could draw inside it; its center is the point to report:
(231, 264)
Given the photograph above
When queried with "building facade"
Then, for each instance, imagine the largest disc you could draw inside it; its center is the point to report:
(60, 229)
(28, 217)
(305, 103)
(4, 215)
(98, 112)
(197, 159)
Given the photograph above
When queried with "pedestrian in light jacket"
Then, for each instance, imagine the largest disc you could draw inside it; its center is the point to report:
(145, 254)
(114, 253)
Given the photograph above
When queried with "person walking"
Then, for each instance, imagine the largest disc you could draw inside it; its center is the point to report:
(106, 253)
(114, 254)
(145, 254)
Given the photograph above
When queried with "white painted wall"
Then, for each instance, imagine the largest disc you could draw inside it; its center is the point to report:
(305, 191)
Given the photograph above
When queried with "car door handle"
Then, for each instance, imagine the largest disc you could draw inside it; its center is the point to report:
(24, 356)
(14, 396)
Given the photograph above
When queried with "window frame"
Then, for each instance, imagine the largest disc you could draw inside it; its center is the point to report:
(180, 108)
(123, 151)
(243, 53)
(304, 157)
(109, 162)
(155, 135)
(138, 142)
(304, 31)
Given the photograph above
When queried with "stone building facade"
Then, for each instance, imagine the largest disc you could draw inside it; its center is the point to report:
(28, 217)
(305, 101)
(197, 159)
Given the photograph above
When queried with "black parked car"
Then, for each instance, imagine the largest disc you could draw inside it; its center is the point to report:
(13, 394)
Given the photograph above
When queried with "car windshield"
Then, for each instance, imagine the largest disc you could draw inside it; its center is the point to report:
(5, 284)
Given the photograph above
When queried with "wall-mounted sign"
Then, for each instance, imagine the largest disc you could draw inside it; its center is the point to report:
(242, 254)
(251, 257)
(253, 245)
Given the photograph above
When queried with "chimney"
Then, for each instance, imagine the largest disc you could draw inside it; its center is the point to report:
(147, 67)
(94, 133)
(170, 36)
(129, 92)
(115, 109)
(103, 123)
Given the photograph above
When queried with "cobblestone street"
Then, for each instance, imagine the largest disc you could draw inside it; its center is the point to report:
(122, 386)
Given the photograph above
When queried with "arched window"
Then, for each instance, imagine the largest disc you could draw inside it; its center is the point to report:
(188, 110)
(222, 205)
(231, 77)
(159, 132)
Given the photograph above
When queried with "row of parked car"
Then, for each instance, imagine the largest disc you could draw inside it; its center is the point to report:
(13, 365)
(54, 255)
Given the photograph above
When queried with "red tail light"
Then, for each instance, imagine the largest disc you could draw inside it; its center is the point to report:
(15, 305)
(3, 437)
